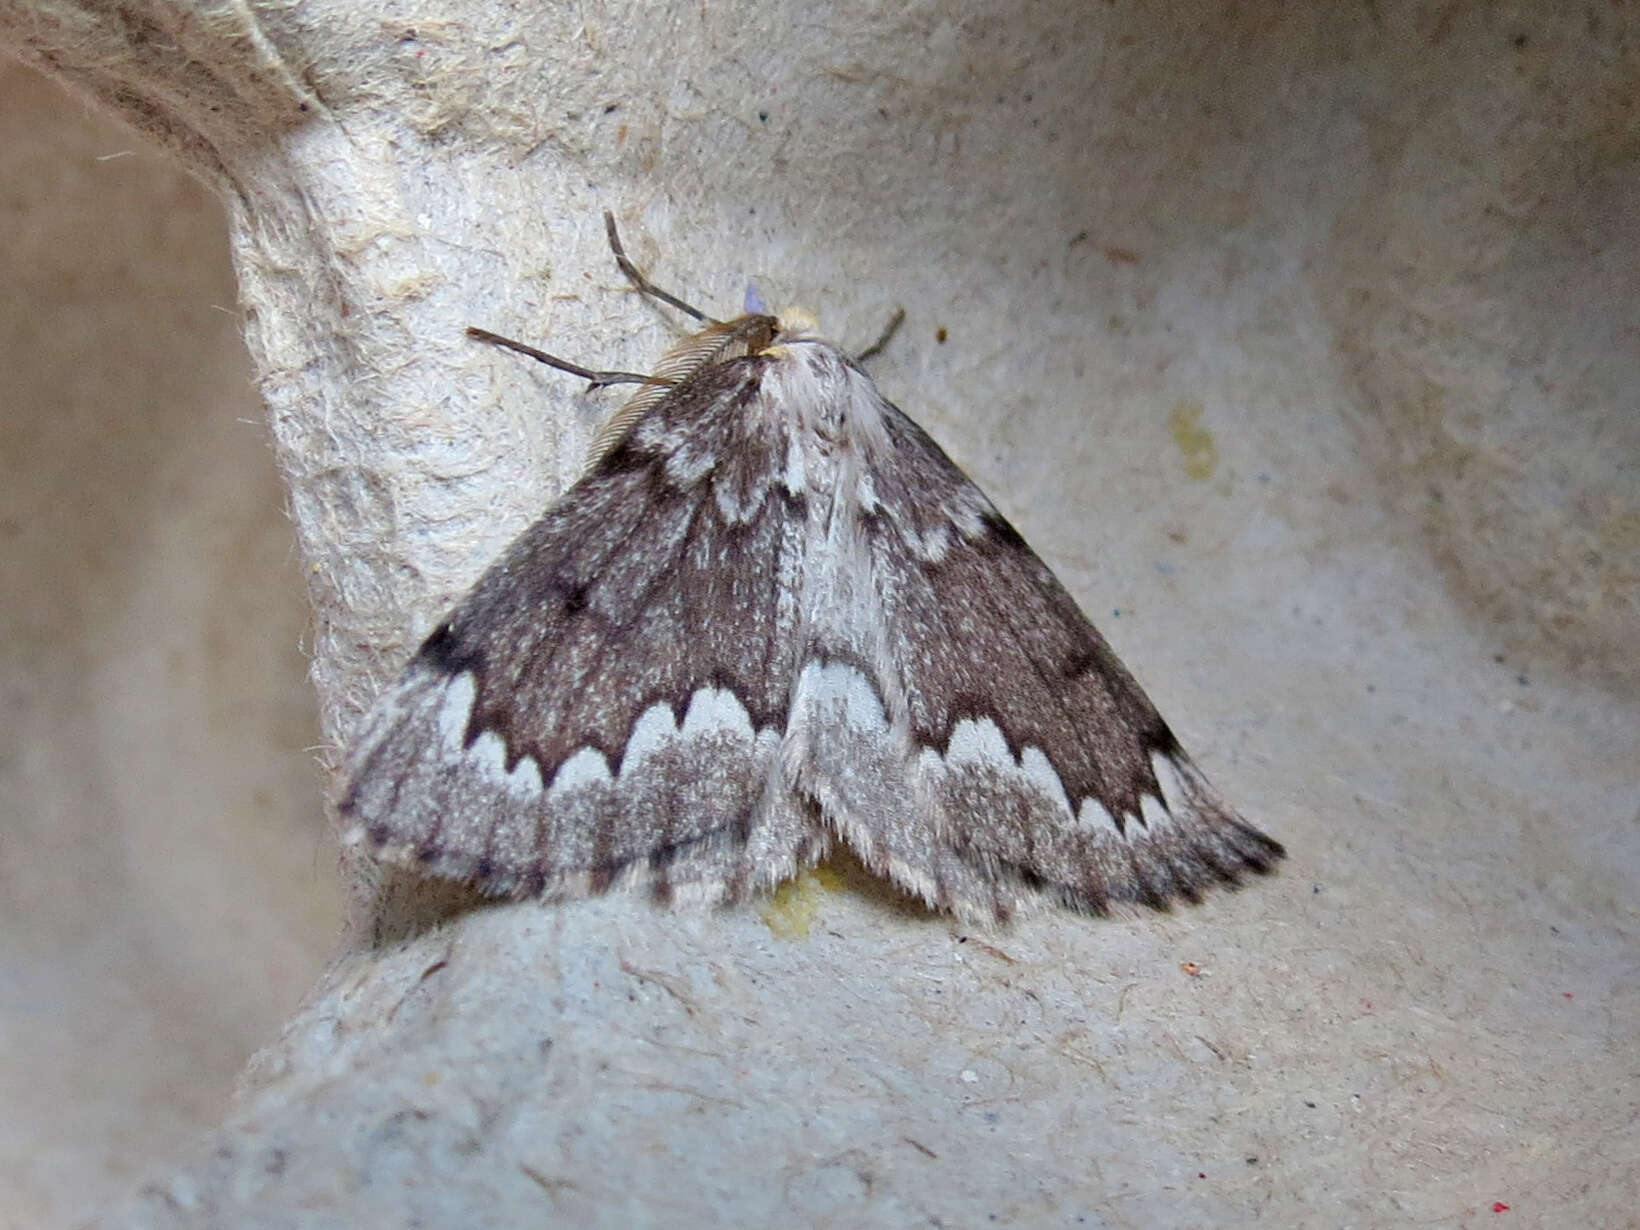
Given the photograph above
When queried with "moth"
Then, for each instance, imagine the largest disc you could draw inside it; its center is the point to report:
(773, 616)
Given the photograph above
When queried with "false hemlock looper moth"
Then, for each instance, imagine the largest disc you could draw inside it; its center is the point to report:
(773, 615)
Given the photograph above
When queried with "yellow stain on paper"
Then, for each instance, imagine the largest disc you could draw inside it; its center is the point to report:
(1196, 448)
(794, 906)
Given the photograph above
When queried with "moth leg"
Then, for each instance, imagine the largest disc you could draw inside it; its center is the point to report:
(887, 335)
(598, 380)
(642, 284)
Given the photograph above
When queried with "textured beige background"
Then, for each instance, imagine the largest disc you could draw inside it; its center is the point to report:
(1302, 343)
(167, 889)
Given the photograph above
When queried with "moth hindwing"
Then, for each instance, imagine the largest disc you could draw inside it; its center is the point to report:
(773, 615)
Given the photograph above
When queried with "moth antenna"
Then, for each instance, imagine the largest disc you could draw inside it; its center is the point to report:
(596, 380)
(887, 335)
(642, 284)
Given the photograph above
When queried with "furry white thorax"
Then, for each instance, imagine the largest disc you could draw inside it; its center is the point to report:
(835, 415)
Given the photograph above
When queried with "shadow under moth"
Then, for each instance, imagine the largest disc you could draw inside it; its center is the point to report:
(771, 616)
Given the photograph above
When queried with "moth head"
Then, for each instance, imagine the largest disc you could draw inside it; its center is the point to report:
(790, 325)
(763, 334)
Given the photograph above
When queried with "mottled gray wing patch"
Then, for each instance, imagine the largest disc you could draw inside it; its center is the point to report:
(606, 706)
(1042, 771)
